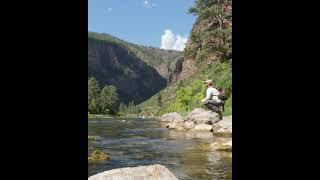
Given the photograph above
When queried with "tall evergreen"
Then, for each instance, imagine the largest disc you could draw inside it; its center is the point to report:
(93, 95)
(159, 99)
(109, 99)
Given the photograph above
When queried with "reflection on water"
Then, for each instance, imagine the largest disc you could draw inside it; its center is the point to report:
(134, 142)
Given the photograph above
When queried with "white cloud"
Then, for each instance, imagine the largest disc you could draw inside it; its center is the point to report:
(109, 9)
(171, 41)
(148, 4)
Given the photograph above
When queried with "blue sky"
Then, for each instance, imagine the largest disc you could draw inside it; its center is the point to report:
(158, 23)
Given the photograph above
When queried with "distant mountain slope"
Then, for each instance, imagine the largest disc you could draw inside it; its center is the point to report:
(137, 71)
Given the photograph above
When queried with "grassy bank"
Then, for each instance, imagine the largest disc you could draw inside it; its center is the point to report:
(94, 116)
(186, 95)
(101, 116)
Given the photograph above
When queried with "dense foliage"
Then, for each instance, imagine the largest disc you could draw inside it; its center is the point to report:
(187, 94)
(103, 101)
(130, 109)
(212, 35)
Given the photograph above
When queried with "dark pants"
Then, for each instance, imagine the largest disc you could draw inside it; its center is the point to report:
(214, 106)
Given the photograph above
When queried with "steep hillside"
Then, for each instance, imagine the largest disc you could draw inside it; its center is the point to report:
(137, 71)
(208, 55)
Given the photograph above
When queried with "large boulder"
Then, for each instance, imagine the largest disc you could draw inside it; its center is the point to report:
(178, 125)
(223, 127)
(203, 127)
(189, 125)
(201, 116)
(152, 172)
(171, 117)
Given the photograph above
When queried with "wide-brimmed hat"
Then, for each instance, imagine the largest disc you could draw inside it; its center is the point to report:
(208, 81)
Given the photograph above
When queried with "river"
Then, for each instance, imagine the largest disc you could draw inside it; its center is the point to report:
(135, 141)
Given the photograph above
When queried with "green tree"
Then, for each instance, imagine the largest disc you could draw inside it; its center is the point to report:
(159, 100)
(130, 108)
(216, 39)
(122, 107)
(109, 99)
(93, 95)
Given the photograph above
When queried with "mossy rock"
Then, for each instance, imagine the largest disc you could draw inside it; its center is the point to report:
(98, 155)
(92, 138)
(204, 146)
(222, 134)
(222, 146)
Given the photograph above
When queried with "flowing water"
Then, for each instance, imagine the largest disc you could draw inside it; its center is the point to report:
(134, 142)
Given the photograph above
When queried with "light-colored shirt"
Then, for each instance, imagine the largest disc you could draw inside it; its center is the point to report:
(212, 94)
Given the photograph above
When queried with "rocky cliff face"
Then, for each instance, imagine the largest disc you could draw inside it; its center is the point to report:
(110, 64)
(166, 62)
(138, 72)
(210, 38)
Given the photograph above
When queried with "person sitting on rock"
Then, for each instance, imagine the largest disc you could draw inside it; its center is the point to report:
(211, 101)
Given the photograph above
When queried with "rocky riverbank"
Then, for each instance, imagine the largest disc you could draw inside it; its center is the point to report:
(152, 172)
(202, 120)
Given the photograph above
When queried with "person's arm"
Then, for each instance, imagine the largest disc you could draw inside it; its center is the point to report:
(208, 96)
(215, 92)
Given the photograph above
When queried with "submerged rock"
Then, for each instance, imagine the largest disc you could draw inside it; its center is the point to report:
(201, 116)
(98, 155)
(205, 146)
(178, 125)
(203, 127)
(218, 146)
(223, 127)
(171, 117)
(152, 172)
(191, 135)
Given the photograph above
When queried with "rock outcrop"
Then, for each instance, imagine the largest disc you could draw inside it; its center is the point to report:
(223, 127)
(201, 116)
(189, 124)
(171, 117)
(197, 120)
(152, 172)
(200, 120)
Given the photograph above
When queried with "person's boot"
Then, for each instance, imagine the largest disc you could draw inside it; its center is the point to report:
(215, 109)
(220, 115)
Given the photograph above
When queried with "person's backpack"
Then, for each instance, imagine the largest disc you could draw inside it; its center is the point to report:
(222, 95)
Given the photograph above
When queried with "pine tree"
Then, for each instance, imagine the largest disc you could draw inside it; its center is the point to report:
(109, 99)
(93, 95)
(159, 100)
(122, 107)
(131, 107)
